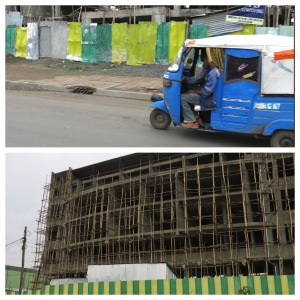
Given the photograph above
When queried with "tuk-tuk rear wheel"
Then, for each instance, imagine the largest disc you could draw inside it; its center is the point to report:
(159, 119)
(283, 138)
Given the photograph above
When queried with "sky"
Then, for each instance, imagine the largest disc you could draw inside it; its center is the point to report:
(26, 175)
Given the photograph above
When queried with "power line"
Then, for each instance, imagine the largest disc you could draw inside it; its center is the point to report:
(14, 242)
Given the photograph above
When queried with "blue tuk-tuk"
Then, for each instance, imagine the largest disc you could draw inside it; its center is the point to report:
(260, 104)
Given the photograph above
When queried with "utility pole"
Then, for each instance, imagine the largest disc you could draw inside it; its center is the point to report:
(23, 259)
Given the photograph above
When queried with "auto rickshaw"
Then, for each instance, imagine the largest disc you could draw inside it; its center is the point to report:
(254, 94)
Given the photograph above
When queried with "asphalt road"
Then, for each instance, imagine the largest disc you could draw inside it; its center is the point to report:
(53, 119)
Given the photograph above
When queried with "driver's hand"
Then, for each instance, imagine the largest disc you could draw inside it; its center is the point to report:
(181, 80)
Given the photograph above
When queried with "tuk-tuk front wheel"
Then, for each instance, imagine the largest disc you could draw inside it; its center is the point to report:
(159, 119)
(283, 138)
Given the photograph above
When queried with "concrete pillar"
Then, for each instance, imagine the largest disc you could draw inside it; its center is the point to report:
(177, 7)
(159, 18)
(57, 11)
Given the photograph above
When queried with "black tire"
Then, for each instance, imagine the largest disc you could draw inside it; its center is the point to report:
(159, 119)
(283, 138)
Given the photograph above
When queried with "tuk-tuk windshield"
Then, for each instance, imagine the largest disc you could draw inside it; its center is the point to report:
(175, 65)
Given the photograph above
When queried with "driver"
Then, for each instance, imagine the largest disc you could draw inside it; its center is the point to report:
(203, 95)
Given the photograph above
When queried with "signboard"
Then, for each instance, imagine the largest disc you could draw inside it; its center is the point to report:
(250, 14)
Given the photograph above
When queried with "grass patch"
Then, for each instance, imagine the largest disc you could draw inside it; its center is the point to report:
(74, 69)
(10, 62)
(28, 59)
(47, 64)
(136, 74)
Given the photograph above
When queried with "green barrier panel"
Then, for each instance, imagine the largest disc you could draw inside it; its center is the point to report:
(103, 50)
(74, 41)
(258, 285)
(147, 42)
(286, 31)
(176, 38)
(133, 45)
(119, 42)
(247, 30)
(162, 44)
(89, 41)
(21, 42)
(10, 39)
(266, 30)
(198, 31)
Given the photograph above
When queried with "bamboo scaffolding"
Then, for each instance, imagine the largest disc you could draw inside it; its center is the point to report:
(197, 216)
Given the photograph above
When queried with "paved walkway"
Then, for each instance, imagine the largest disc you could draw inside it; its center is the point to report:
(104, 84)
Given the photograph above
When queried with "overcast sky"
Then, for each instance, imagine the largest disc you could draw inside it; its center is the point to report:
(26, 175)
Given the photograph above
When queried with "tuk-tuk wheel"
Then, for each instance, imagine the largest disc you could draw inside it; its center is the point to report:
(283, 138)
(159, 119)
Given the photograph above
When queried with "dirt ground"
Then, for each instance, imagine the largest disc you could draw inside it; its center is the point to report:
(20, 68)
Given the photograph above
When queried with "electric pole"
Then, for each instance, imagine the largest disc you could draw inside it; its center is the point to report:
(23, 259)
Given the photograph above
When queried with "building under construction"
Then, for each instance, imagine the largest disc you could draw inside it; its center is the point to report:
(204, 214)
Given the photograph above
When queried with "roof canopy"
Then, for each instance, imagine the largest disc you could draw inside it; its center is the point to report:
(256, 42)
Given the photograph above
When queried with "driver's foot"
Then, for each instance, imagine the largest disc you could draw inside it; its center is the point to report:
(194, 125)
(199, 121)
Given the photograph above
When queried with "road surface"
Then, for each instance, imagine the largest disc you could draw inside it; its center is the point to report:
(53, 119)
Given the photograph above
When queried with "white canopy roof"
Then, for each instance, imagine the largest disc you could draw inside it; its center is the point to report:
(256, 42)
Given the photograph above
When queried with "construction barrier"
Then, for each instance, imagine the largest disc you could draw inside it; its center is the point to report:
(119, 42)
(32, 41)
(74, 41)
(103, 50)
(286, 31)
(21, 42)
(89, 42)
(162, 44)
(266, 30)
(176, 38)
(133, 36)
(147, 42)
(258, 285)
(247, 30)
(10, 39)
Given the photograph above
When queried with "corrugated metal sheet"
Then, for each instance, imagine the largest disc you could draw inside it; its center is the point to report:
(45, 39)
(59, 39)
(13, 18)
(32, 41)
(123, 272)
(217, 24)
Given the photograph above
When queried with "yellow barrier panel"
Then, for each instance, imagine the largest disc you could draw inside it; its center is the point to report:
(56, 289)
(147, 42)
(230, 284)
(74, 41)
(204, 283)
(166, 284)
(95, 288)
(119, 42)
(129, 288)
(21, 42)
(176, 38)
(106, 288)
(85, 288)
(133, 45)
(142, 287)
(66, 289)
(153, 287)
(192, 286)
(75, 289)
(118, 288)
(247, 29)
(179, 288)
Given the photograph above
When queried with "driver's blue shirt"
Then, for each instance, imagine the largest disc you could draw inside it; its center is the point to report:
(208, 81)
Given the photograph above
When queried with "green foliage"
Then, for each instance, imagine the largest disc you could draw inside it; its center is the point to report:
(48, 63)
(10, 62)
(244, 291)
(74, 69)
